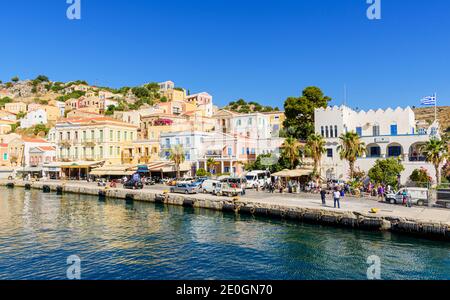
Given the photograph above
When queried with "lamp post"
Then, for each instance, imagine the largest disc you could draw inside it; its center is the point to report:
(399, 176)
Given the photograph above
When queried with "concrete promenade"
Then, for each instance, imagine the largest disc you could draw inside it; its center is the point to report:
(354, 212)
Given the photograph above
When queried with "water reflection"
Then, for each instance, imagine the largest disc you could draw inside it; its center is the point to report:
(118, 240)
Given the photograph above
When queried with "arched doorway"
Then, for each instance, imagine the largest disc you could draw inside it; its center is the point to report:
(394, 150)
(416, 152)
(373, 150)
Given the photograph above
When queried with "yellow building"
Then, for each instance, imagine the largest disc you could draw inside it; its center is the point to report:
(173, 95)
(93, 139)
(16, 107)
(276, 120)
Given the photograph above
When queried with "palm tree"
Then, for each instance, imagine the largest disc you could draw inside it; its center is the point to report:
(210, 164)
(350, 149)
(177, 156)
(292, 150)
(435, 151)
(315, 147)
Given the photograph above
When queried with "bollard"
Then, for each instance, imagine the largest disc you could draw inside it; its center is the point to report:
(188, 203)
(102, 195)
(28, 186)
(159, 198)
(46, 189)
(59, 190)
(10, 185)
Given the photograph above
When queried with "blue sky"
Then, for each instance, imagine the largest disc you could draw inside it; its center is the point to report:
(259, 50)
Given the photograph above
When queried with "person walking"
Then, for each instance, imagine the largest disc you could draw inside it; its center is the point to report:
(336, 196)
(323, 195)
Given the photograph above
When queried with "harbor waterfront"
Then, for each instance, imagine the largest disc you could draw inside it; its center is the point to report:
(356, 213)
(140, 240)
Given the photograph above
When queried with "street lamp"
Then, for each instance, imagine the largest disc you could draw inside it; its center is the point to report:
(399, 176)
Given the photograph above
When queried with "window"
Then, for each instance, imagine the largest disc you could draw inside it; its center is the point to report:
(177, 141)
(84, 135)
(326, 131)
(125, 135)
(118, 136)
(111, 151)
(188, 141)
(111, 135)
(359, 131)
(250, 121)
(230, 151)
(132, 136)
(331, 131)
(376, 130)
(253, 151)
(330, 152)
(101, 135)
(394, 129)
(118, 151)
(335, 131)
(322, 131)
(167, 143)
(92, 134)
(394, 151)
(243, 150)
(375, 151)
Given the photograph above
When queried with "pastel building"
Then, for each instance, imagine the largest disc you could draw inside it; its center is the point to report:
(33, 118)
(16, 107)
(202, 101)
(93, 139)
(386, 133)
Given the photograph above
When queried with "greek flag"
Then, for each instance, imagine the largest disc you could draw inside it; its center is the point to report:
(430, 100)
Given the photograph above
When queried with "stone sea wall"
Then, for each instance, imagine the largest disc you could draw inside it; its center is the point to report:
(348, 219)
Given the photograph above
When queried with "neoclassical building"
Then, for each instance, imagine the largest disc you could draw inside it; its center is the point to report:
(386, 133)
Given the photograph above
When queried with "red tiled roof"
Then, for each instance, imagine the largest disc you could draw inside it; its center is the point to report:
(33, 140)
(47, 148)
(3, 145)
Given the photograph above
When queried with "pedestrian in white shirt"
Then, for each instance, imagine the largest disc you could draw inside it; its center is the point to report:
(336, 196)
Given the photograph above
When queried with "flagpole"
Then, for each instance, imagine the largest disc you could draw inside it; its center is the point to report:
(435, 107)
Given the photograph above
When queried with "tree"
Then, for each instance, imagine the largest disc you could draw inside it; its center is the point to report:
(140, 92)
(446, 170)
(350, 149)
(176, 155)
(15, 79)
(386, 171)
(300, 111)
(39, 129)
(110, 110)
(315, 147)
(435, 151)
(202, 173)
(420, 176)
(292, 151)
(211, 165)
(42, 78)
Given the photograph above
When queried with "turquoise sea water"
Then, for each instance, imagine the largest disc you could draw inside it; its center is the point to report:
(38, 232)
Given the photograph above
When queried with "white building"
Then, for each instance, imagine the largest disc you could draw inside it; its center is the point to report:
(166, 85)
(34, 117)
(229, 151)
(386, 133)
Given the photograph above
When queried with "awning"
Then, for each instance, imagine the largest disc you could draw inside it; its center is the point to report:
(167, 167)
(294, 173)
(29, 170)
(80, 164)
(119, 170)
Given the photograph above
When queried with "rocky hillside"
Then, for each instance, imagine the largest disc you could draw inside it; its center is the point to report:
(427, 114)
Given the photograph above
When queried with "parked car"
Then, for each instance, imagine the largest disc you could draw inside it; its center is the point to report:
(133, 184)
(257, 179)
(228, 187)
(149, 181)
(419, 196)
(209, 186)
(101, 182)
(183, 188)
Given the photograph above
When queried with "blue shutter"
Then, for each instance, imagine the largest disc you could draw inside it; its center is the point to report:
(394, 129)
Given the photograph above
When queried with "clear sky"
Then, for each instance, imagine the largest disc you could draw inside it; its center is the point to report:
(260, 50)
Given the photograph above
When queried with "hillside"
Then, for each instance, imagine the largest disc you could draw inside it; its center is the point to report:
(427, 114)
(241, 106)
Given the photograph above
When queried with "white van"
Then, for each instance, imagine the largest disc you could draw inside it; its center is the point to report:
(209, 186)
(419, 196)
(257, 178)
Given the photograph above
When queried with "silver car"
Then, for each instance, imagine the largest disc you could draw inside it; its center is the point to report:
(184, 188)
